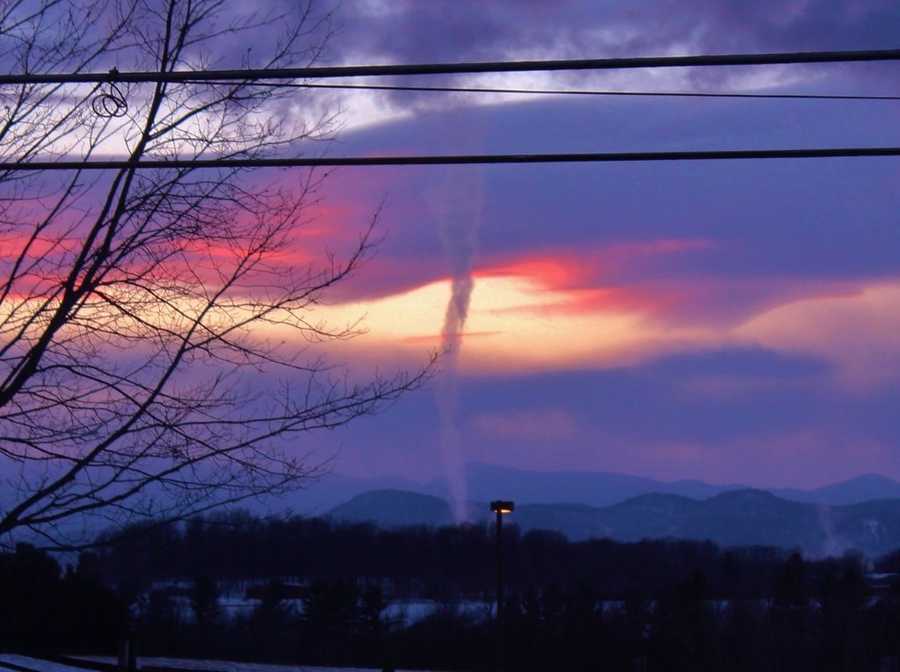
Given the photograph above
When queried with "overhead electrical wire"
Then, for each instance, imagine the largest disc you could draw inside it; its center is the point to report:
(553, 92)
(457, 159)
(251, 76)
(320, 72)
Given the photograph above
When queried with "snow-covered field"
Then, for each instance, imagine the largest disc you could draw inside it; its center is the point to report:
(35, 664)
(408, 612)
(231, 666)
(179, 663)
(401, 612)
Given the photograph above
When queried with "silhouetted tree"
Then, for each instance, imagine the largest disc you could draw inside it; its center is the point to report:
(330, 617)
(46, 609)
(205, 600)
(161, 623)
(134, 307)
(842, 596)
(668, 604)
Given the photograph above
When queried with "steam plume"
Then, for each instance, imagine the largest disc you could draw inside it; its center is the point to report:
(459, 223)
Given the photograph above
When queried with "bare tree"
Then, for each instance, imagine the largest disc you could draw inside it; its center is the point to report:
(136, 374)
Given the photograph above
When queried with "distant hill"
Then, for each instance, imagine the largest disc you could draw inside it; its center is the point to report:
(735, 518)
(739, 518)
(331, 489)
(853, 491)
(598, 488)
(393, 508)
(486, 482)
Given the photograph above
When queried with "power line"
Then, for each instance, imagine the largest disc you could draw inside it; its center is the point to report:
(320, 72)
(557, 92)
(458, 159)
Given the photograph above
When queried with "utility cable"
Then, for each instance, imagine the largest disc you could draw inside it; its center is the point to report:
(553, 92)
(456, 159)
(319, 72)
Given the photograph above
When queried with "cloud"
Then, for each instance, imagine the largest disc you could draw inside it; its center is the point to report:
(516, 331)
(857, 332)
(781, 421)
(528, 425)
(687, 319)
(445, 30)
(788, 217)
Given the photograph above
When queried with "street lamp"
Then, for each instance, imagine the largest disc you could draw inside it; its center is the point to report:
(500, 507)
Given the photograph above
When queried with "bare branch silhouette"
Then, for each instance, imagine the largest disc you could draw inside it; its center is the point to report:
(134, 306)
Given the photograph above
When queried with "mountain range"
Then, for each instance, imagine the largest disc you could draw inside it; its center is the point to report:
(485, 482)
(733, 518)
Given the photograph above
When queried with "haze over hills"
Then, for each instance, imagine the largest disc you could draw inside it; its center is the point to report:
(853, 491)
(734, 518)
(598, 489)
(332, 489)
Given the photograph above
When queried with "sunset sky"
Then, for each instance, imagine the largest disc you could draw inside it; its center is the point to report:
(730, 321)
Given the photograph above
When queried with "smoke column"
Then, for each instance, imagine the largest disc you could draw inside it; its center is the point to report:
(460, 219)
(833, 546)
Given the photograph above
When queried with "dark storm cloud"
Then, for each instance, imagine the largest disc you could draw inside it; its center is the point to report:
(770, 226)
(411, 30)
(756, 234)
(821, 221)
(450, 30)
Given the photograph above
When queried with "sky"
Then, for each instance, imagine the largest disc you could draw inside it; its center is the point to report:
(731, 321)
(728, 321)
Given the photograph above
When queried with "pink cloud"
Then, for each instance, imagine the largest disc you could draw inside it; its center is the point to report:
(567, 268)
(584, 277)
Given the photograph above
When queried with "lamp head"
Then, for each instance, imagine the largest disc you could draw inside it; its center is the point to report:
(503, 506)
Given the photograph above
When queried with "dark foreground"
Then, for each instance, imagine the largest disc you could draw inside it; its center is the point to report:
(313, 593)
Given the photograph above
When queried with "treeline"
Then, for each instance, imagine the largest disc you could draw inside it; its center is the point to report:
(821, 616)
(45, 606)
(447, 562)
(599, 605)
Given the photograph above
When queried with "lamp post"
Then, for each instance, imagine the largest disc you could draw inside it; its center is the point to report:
(500, 507)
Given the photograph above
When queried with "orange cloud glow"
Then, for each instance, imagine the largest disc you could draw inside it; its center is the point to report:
(858, 332)
(517, 322)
